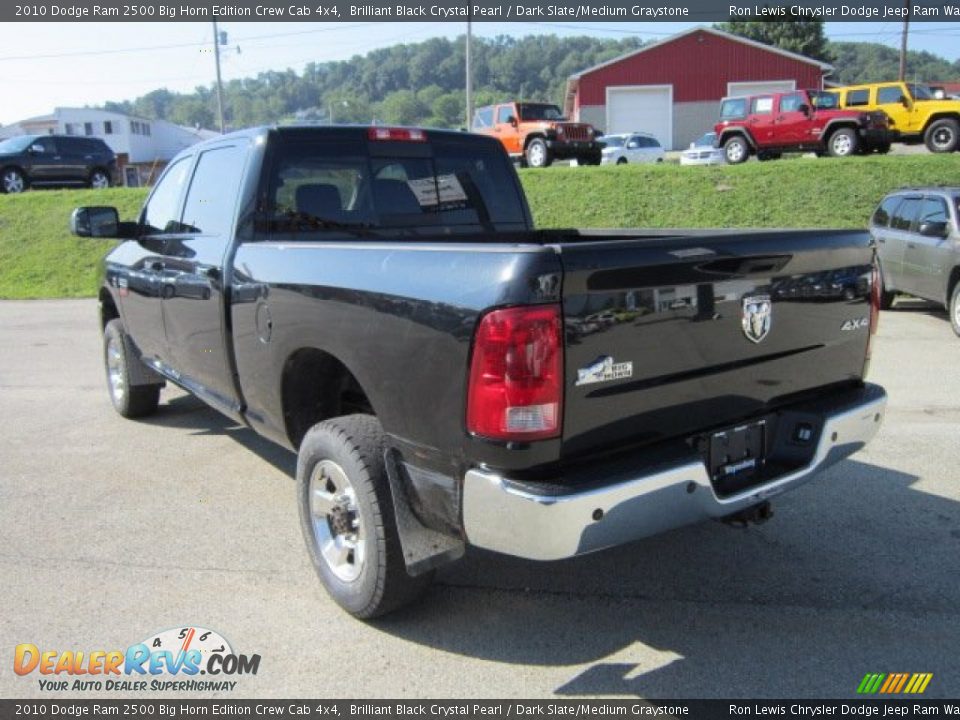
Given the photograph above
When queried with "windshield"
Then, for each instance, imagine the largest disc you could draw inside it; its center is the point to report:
(338, 187)
(537, 111)
(16, 144)
(825, 100)
(613, 141)
(921, 92)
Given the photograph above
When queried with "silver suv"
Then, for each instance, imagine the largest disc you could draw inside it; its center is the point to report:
(917, 234)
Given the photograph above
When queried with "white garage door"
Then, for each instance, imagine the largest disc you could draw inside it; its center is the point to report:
(641, 108)
(760, 87)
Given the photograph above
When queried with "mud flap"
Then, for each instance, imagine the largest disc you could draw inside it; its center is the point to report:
(138, 373)
(423, 548)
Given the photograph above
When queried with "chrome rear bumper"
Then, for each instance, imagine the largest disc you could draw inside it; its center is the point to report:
(500, 515)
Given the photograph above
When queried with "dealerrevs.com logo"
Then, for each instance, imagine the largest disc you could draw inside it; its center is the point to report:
(180, 659)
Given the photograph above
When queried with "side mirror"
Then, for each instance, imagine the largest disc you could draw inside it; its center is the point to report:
(633, 145)
(905, 101)
(36, 149)
(512, 120)
(933, 229)
(804, 108)
(96, 222)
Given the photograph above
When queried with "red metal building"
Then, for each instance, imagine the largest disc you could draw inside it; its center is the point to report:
(673, 88)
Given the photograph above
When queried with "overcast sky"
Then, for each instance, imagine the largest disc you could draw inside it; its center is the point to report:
(45, 65)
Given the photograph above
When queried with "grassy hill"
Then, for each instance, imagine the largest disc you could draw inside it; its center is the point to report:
(40, 259)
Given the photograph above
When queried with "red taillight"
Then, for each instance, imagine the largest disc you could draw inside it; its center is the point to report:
(403, 134)
(516, 374)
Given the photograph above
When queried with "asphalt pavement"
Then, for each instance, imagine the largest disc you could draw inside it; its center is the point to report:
(113, 530)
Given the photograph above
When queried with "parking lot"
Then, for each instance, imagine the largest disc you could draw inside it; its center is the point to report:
(112, 530)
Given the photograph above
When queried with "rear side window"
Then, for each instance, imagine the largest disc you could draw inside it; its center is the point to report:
(906, 214)
(856, 98)
(483, 118)
(881, 218)
(761, 106)
(212, 197)
(733, 108)
(889, 95)
(337, 188)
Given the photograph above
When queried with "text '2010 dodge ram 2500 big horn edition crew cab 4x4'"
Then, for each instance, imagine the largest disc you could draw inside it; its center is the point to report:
(377, 300)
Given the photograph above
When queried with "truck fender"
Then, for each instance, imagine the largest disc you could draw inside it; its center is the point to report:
(423, 548)
(833, 125)
(727, 134)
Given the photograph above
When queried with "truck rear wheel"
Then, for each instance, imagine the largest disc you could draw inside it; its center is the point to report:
(942, 136)
(736, 150)
(955, 308)
(346, 514)
(538, 154)
(131, 401)
(843, 142)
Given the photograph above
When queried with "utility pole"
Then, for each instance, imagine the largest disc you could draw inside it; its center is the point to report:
(469, 83)
(216, 55)
(903, 41)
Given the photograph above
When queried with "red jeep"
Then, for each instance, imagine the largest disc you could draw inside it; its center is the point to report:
(537, 133)
(798, 121)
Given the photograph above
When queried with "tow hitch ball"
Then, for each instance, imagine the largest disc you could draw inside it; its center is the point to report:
(755, 514)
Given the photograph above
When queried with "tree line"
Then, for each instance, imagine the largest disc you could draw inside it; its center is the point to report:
(422, 83)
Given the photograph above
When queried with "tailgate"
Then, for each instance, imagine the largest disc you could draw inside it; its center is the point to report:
(670, 336)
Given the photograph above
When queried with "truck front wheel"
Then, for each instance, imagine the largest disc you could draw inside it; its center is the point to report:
(943, 136)
(843, 142)
(736, 150)
(347, 517)
(538, 154)
(131, 401)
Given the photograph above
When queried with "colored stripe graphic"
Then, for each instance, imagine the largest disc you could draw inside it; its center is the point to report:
(894, 683)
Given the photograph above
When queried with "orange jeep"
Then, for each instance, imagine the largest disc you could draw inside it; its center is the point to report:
(537, 133)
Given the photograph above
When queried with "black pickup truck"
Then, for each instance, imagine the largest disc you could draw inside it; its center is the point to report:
(377, 300)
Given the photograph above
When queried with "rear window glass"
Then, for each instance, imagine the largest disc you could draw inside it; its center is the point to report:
(762, 106)
(733, 108)
(336, 187)
(483, 118)
(855, 98)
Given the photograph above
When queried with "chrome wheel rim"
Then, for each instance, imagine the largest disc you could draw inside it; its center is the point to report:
(118, 386)
(99, 181)
(735, 152)
(335, 518)
(956, 309)
(842, 145)
(536, 155)
(942, 138)
(12, 182)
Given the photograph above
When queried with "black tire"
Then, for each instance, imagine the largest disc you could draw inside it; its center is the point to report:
(538, 154)
(886, 297)
(131, 401)
(99, 178)
(843, 142)
(622, 161)
(954, 309)
(353, 445)
(12, 180)
(942, 136)
(736, 150)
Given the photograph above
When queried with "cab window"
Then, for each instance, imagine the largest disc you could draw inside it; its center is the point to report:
(160, 215)
(504, 113)
(889, 95)
(856, 98)
(791, 103)
(933, 210)
(761, 106)
(483, 118)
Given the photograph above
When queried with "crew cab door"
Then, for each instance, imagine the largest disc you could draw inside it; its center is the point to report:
(761, 121)
(902, 226)
(895, 101)
(927, 253)
(194, 270)
(507, 131)
(46, 163)
(140, 277)
(792, 124)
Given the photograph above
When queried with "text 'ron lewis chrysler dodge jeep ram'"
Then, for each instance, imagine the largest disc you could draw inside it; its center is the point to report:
(378, 301)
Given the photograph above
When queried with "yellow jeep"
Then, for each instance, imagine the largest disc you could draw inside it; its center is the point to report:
(915, 114)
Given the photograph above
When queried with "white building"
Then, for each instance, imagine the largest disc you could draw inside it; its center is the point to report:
(143, 147)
